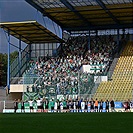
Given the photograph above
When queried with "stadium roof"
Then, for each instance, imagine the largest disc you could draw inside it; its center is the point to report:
(87, 14)
(30, 32)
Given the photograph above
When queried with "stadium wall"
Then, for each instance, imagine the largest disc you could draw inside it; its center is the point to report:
(17, 88)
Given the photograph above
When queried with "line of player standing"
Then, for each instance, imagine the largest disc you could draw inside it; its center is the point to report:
(66, 105)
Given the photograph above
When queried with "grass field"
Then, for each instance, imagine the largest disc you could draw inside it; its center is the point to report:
(67, 123)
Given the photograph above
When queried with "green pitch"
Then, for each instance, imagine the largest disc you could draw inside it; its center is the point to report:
(67, 123)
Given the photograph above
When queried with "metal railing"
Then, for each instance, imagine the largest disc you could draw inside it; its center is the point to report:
(15, 70)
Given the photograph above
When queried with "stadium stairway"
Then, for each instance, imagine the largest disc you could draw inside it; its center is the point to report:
(2, 94)
(3, 97)
(119, 87)
(7, 98)
(112, 67)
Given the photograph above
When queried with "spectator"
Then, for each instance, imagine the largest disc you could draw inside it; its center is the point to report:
(31, 105)
(96, 105)
(112, 105)
(39, 103)
(22, 106)
(101, 106)
(92, 104)
(107, 106)
(15, 105)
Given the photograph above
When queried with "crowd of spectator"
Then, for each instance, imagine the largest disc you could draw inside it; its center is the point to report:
(63, 73)
(75, 46)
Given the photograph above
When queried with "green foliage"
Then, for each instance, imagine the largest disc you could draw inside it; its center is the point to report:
(13, 56)
(3, 66)
(3, 69)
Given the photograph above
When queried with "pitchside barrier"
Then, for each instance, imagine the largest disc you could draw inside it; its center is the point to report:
(8, 107)
(34, 86)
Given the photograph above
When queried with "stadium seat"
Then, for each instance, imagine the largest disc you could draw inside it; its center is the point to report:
(120, 88)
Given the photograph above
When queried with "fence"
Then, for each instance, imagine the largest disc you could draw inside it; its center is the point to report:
(47, 86)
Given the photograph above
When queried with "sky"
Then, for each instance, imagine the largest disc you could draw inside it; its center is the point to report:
(14, 10)
(19, 10)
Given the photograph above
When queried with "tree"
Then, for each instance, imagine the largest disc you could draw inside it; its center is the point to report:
(3, 66)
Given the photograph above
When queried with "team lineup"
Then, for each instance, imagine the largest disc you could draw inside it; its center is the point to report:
(78, 105)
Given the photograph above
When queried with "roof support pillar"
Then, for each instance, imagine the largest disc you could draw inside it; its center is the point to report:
(96, 37)
(29, 52)
(123, 33)
(119, 45)
(8, 66)
(118, 37)
(20, 58)
(89, 41)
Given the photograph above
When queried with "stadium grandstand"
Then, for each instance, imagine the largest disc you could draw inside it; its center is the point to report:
(91, 59)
